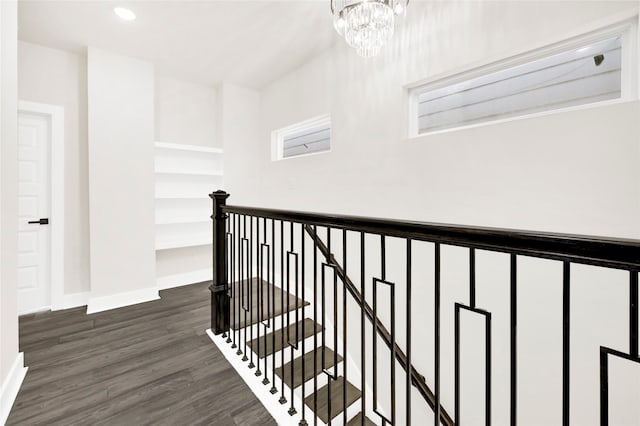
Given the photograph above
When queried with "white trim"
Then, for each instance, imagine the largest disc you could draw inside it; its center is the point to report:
(55, 114)
(185, 278)
(119, 300)
(67, 301)
(34, 310)
(73, 300)
(11, 387)
(184, 147)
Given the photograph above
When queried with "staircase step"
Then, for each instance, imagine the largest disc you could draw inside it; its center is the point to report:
(309, 371)
(289, 300)
(337, 407)
(310, 328)
(357, 421)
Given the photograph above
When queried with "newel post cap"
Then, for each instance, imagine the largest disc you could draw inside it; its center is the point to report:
(219, 195)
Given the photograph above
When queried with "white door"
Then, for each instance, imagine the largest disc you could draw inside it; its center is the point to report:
(34, 247)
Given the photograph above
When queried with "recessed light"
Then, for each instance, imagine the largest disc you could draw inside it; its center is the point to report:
(124, 13)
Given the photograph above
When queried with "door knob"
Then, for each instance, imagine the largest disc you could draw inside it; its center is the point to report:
(44, 221)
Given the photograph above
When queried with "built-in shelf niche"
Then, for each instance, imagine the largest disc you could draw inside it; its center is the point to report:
(185, 176)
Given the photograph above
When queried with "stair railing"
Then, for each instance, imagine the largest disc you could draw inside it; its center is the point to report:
(245, 243)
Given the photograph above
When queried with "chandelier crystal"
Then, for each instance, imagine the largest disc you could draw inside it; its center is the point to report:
(366, 25)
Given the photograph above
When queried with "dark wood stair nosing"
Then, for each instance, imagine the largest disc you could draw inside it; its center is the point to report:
(311, 328)
(284, 371)
(353, 395)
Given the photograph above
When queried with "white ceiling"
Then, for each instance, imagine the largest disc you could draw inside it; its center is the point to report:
(249, 43)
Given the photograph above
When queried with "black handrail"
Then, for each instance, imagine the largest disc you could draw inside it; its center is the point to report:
(592, 250)
(417, 379)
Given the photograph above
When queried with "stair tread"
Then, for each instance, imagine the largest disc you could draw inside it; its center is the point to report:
(356, 421)
(337, 407)
(309, 371)
(280, 297)
(310, 328)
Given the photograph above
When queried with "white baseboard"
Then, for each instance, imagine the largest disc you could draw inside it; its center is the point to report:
(72, 300)
(34, 310)
(185, 278)
(11, 386)
(119, 300)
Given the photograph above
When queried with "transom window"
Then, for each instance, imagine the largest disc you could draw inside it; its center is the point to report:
(308, 137)
(578, 73)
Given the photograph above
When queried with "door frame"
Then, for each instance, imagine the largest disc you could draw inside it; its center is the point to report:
(55, 114)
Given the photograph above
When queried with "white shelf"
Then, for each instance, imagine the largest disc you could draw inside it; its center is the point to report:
(190, 173)
(185, 175)
(192, 241)
(183, 197)
(182, 221)
(183, 147)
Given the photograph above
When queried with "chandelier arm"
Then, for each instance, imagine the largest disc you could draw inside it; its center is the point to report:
(333, 11)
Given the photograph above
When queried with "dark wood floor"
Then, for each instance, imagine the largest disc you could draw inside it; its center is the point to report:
(145, 364)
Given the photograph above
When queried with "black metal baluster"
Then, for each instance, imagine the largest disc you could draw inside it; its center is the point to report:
(240, 289)
(269, 280)
(274, 389)
(226, 334)
(487, 367)
(232, 268)
(245, 287)
(259, 293)
(335, 349)
(487, 315)
(566, 341)
(344, 327)
(251, 285)
(392, 342)
(315, 335)
(514, 338)
(456, 367)
(408, 329)
(292, 410)
(237, 285)
(604, 387)
(303, 421)
(363, 381)
(472, 277)
(437, 335)
(374, 335)
(392, 360)
(229, 268)
(283, 399)
(633, 314)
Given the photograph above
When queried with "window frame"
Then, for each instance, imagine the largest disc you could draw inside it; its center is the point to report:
(626, 29)
(278, 136)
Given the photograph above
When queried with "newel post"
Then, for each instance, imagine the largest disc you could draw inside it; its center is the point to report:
(220, 300)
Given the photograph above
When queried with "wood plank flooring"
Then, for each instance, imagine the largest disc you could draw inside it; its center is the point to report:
(145, 364)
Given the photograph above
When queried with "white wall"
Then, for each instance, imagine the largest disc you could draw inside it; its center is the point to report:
(571, 172)
(238, 118)
(59, 77)
(185, 112)
(121, 176)
(11, 363)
